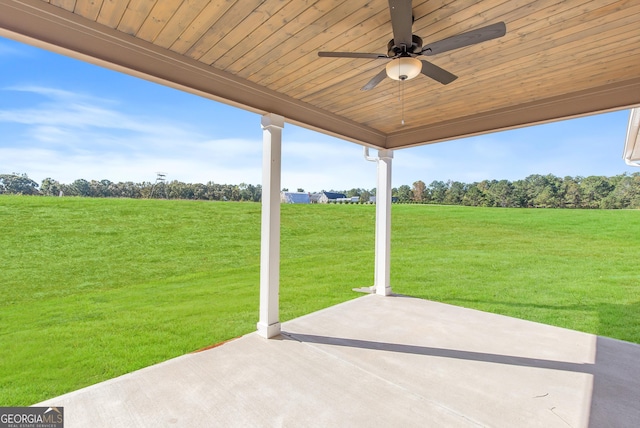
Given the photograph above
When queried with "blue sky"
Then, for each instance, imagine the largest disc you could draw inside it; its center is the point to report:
(66, 119)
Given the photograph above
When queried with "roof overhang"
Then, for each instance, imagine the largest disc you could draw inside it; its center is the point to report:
(564, 73)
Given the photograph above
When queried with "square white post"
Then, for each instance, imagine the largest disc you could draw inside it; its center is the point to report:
(269, 322)
(382, 279)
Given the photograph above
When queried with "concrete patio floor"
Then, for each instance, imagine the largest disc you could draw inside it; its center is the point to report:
(380, 362)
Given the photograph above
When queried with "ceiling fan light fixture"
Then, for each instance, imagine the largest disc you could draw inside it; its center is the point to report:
(404, 68)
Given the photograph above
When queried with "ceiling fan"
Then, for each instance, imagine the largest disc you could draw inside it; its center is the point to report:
(405, 47)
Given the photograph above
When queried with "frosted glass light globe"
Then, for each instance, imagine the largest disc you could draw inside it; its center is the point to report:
(404, 68)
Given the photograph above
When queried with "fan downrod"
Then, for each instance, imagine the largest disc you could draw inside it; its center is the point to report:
(415, 48)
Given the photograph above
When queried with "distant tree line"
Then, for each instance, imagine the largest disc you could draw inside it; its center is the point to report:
(22, 184)
(535, 191)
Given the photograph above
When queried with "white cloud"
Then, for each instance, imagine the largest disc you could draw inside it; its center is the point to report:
(69, 136)
(10, 50)
(53, 93)
(42, 163)
(66, 136)
(64, 110)
(325, 163)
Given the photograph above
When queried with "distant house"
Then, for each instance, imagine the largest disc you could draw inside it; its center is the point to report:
(295, 198)
(315, 197)
(326, 197)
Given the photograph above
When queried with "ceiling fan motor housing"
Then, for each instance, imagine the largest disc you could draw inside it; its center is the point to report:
(393, 50)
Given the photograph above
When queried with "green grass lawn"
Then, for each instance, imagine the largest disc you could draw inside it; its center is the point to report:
(94, 288)
(577, 269)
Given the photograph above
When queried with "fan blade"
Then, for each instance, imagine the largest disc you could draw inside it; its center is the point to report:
(480, 35)
(351, 55)
(436, 73)
(401, 21)
(376, 79)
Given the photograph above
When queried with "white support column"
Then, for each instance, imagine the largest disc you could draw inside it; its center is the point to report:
(383, 224)
(269, 322)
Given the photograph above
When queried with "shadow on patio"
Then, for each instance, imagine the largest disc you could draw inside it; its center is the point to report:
(376, 361)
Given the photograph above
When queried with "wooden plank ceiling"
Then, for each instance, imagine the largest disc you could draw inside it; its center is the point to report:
(559, 58)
